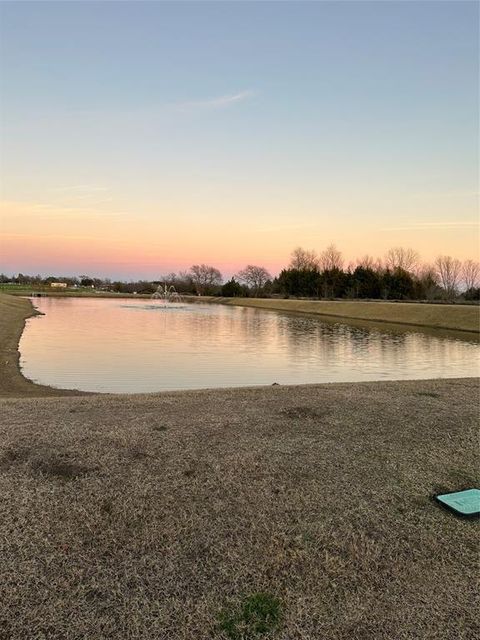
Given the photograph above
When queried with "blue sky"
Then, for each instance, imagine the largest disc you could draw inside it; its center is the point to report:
(303, 122)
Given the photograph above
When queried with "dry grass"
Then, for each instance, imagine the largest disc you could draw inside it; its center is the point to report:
(438, 316)
(161, 516)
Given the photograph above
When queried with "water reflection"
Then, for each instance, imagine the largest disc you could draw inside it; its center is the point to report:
(121, 346)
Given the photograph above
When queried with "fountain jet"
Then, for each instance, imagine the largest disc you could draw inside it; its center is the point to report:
(167, 294)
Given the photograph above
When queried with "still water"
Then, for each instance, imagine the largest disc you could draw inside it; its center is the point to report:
(120, 346)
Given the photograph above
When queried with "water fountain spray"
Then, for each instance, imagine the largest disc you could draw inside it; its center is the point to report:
(167, 294)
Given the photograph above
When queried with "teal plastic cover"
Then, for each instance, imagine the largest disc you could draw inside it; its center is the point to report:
(465, 502)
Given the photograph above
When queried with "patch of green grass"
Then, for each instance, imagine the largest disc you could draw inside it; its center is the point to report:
(257, 615)
(307, 537)
(13, 287)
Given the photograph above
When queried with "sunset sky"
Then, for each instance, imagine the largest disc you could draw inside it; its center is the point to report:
(143, 137)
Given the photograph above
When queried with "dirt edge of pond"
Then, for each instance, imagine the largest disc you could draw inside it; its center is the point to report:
(14, 312)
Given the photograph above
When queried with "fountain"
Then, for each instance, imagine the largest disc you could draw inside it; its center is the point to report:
(167, 294)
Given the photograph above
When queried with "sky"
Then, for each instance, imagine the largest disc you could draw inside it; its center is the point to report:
(139, 138)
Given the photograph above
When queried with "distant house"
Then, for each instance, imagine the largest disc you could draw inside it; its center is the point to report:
(58, 285)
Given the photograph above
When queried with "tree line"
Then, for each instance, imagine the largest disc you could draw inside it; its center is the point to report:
(399, 275)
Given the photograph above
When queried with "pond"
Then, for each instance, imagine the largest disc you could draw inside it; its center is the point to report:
(130, 346)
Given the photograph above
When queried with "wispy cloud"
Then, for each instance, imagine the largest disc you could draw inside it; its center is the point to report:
(50, 236)
(430, 226)
(447, 194)
(287, 227)
(220, 102)
(137, 118)
(83, 194)
(12, 211)
(81, 188)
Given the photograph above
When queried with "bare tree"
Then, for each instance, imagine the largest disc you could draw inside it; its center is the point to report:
(182, 281)
(205, 278)
(255, 277)
(470, 274)
(400, 258)
(303, 260)
(449, 270)
(366, 262)
(331, 258)
(169, 278)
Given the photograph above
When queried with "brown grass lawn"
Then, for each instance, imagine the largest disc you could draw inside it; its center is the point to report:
(274, 512)
(146, 516)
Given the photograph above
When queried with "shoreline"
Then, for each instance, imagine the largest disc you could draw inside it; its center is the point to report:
(14, 312)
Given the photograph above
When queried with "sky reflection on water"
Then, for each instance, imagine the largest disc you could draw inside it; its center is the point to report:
(123, 346)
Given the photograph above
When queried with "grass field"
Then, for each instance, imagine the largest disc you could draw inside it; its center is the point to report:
(26, 290)
(174, 516)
